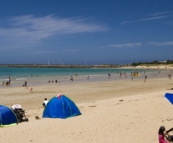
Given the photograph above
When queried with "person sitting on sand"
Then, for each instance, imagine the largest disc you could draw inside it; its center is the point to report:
(162, 135)
(45, 102)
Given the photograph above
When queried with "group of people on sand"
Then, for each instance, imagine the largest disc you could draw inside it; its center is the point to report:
(56, 81)
(164, 136)
(7, 83)
(71, 77)
(123, 73)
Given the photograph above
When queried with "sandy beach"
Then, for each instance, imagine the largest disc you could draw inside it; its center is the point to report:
(115, 111)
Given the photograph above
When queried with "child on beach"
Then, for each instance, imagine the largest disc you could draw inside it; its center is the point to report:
(162, 135)
(45, 102)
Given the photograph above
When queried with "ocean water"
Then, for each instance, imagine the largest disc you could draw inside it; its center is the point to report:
(35, 76)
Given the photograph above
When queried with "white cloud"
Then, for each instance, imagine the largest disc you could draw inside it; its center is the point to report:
(131, 45)
(29, 30)
(145, 19)
(156, 16)
(162, 13)
(51, 25)
(169, 43)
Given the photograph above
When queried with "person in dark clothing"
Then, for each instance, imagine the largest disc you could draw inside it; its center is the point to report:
(25, 84)
(170, 137)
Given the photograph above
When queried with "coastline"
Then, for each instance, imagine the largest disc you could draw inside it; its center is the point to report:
(12, 95)
(47, 75)
(162, 66)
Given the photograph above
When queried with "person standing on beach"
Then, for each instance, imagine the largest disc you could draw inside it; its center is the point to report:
(109, 75)
(25, 84)
(145, 78)
(88, 77)
(169, 76)
(71, 78)
(45, 102)
(9, 81)
(120, 75)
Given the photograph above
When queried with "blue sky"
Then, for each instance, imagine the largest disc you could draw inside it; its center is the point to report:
(85, 31)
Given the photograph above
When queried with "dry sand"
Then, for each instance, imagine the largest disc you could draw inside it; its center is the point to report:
(123, 111)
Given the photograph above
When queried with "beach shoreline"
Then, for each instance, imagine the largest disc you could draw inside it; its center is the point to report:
(110, 109)
(18, 79)
(48, 88)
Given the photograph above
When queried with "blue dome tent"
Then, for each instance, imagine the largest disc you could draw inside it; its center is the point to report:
(60, 107)
(7, 117)
(169, 96)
